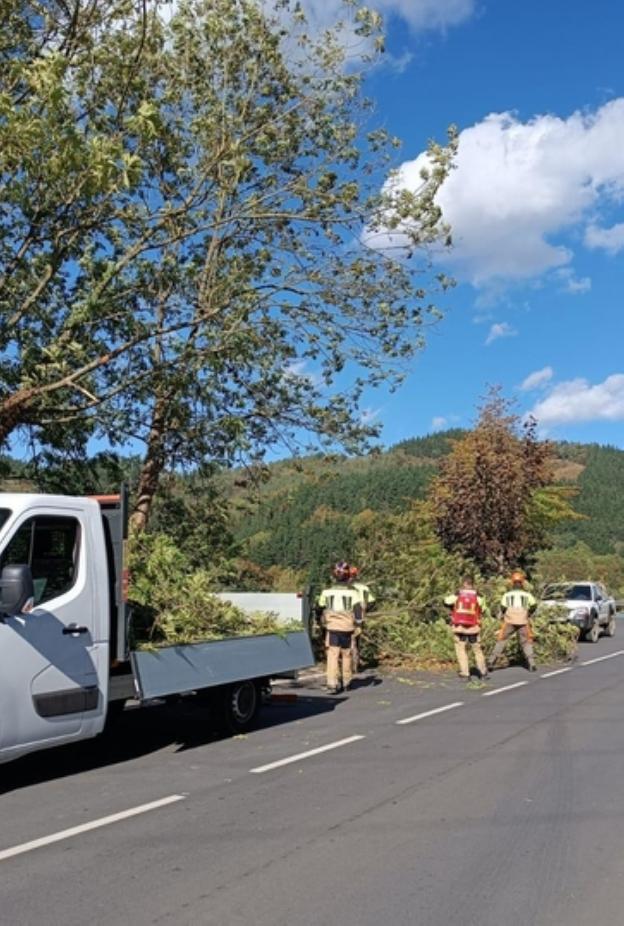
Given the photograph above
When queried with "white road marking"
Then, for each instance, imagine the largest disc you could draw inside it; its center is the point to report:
(86, 827)
(589, 662)
(556, 672)
(488, 694)
(305, 755)
(437, 710)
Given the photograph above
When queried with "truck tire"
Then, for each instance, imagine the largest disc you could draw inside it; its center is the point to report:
(113, 713)
(240, 704)
(611, 626)
(593, 634)
(115, 709)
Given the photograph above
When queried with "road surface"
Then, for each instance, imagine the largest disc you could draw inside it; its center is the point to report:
(413, 801)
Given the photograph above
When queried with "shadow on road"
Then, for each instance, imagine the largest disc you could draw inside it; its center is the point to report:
(141, 731)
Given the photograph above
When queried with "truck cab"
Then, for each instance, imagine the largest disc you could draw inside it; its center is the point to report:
(54, 647)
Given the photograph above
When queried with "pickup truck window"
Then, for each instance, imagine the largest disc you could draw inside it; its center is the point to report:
(568, 592)
(4, 514)
(49, 545)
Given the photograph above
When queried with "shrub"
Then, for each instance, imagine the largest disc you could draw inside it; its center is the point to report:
(399, 639)
(173, 603)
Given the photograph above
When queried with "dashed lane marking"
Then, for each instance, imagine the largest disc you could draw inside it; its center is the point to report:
(305, 755)
(556, 672)
(437, 710)
(489, 694)
(590, 662)
(86, 827)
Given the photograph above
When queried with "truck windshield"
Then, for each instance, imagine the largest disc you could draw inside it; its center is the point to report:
(4, 514)
(569, 592)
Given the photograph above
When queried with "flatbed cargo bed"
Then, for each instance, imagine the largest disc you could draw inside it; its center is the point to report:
(195, 666)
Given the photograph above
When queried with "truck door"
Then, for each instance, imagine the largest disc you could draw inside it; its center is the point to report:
(48, 657)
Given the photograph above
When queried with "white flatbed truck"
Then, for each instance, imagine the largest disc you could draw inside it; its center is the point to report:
(65, 660)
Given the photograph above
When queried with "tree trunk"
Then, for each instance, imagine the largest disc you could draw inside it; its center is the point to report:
(152, 467)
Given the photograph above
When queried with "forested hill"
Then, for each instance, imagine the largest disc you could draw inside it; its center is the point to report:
(310, 509)
(309, 512)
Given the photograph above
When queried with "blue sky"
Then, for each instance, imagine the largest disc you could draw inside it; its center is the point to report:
(536, 203)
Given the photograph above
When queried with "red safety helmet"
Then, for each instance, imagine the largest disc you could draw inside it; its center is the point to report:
(342, 571)
(517, 577)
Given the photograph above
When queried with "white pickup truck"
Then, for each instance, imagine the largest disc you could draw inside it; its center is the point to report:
(65, 663)
(587, 605)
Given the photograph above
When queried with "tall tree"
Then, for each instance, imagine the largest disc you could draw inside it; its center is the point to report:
(282, 292)
(199, 278)
(74, 115)
(493, 500)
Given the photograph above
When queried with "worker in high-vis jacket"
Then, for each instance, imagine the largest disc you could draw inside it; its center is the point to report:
(467, 607)
(363, 588)
(516, 606)
(342, 608)
(368, 604)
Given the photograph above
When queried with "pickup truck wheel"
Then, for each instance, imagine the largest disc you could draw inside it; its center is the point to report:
(610, 628)
(593, 634)
(241, 702)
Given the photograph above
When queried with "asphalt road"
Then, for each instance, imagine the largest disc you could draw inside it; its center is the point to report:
(432, 804)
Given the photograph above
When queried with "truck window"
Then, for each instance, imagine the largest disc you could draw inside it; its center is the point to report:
(569, 592)
(49, 545)
(4, 513)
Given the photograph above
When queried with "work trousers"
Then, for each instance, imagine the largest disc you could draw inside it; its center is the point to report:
(524, 635)
(462, 642)
(339, 656)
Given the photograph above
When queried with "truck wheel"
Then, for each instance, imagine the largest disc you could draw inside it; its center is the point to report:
(593, 634)
(610, 628)
(114, 712)
(240, 705)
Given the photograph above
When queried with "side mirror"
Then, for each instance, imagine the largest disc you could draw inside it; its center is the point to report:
(16, 589)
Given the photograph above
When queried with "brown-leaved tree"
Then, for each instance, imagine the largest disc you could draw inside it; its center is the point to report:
(493, 500)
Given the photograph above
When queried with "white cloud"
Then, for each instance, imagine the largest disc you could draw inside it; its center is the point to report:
(500, 330)
(610, 240)
(537, 379)
(577, 400)
(339, 15)
(572, 284)
(299, 369)
(426, 14)
(398, 64)
(576, 286)
(518, 187)
(420, 15)
(438, 423)
(369, 415)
